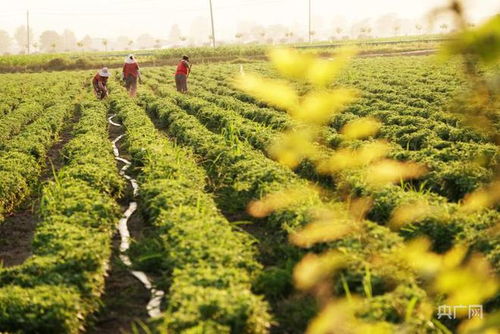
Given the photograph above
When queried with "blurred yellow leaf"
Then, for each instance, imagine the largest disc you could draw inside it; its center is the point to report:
(418, 256)
(468, 285)
(275, 92)
(361, 128)
(322, 72)
(359, 207)
(351, 158)
(339, 316)
(280, 200)
(489, 324)
(335, 316)
(482, 198)
(318, 107)
(322, 231)
(293, 146)
(392, 171)
(291, 63)
(313, 269)
(410, 213)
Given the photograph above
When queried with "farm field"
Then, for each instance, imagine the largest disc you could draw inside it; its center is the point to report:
(181, 170)
(87, 60)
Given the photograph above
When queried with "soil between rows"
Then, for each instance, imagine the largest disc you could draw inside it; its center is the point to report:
(125, 298)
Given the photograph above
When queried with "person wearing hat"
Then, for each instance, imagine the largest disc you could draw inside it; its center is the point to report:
(131, 74)
(99, 82)
(182, 73)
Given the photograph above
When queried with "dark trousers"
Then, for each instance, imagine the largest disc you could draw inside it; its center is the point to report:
(181, 83)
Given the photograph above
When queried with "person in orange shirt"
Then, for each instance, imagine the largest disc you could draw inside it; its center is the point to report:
(99, 82)
(181, 74)
(131, 75)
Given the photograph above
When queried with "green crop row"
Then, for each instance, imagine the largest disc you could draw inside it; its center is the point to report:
(29, 150)
(409, 102)
(244, 174)
(211, 91)
(211, 264)
(385, 200)
(55, 289)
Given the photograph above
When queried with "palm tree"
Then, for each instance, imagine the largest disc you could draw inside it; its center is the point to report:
(312, 33)
(444, 27)
(238, 35)
(105, 43)
(419, 28)
(396, 30)
(368, 31)
(262, 35)
(53, 46)
(157, 44)
(80, 45)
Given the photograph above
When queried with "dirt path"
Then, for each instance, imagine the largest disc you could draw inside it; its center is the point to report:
(16, 232)
(129, 301)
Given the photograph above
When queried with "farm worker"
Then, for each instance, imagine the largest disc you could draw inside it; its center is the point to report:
(99, 82)
(182, 73)
(131, 74)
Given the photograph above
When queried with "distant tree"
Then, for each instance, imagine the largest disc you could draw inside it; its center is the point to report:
(157, 44)
(239, 36)
(397, 29)
(175, 34)
(338, 30)
(444, 27)
(130, 44)
(182, 38)
(21, 37)
(122, 42)
(68, 40)
(35, 45)
(145, 41)
(49, 40)
(105, 43)
(87, 42)
(419, 28)
(289, 36)
(80, 45)
(5, 41)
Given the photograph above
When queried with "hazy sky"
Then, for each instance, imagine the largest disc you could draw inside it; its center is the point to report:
(110, 18)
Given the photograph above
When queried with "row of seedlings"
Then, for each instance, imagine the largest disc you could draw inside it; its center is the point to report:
(59, 286)
(243, 174)
(210, 264)
(29, 149)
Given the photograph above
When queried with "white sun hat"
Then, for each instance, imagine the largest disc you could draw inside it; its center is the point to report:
(130, 59)
(104, 72)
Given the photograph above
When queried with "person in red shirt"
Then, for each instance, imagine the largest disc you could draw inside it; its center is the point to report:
(99, 82)
(131, 75)
(182, 73)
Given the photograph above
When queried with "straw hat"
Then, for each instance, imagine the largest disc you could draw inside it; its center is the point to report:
(104, 72)
(130, 59)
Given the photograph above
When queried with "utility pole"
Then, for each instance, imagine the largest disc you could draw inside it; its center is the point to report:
(212, 21)
(28, 31)
(310, 21)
